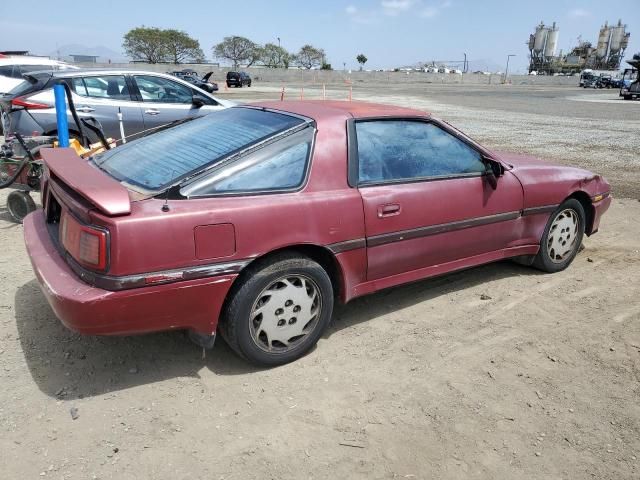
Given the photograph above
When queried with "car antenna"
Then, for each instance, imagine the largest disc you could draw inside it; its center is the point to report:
(165, 206)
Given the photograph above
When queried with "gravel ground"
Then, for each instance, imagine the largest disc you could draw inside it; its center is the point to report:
(540, 380)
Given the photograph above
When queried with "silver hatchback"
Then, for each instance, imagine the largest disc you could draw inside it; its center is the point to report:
(146, 101)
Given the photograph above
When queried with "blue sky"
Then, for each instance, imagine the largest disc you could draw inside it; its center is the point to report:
(390, 32)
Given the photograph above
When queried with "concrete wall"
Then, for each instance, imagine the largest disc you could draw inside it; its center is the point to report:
(291, 76)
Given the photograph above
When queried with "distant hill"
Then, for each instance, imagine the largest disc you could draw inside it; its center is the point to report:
(104, 53)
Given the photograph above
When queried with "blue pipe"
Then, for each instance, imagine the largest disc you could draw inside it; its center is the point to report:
(61, 115)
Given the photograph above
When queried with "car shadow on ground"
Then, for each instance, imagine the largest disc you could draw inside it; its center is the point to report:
(68, 365)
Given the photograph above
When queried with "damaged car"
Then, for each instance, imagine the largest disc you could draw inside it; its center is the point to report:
(254, 221)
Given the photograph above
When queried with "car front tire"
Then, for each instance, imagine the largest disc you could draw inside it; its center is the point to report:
(278, 311)
(562, 237)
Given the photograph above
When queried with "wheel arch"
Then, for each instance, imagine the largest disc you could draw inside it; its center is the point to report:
(585, 201)
(54, 133)
(320, 254)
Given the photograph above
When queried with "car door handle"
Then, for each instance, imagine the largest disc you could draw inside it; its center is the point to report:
(388, 210)
(152, 111)
(85, 109)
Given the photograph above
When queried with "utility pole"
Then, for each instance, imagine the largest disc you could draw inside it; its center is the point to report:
(278, 41)
(464, 66)
(506, 71)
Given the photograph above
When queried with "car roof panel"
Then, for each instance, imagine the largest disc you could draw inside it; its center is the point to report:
(319, 109)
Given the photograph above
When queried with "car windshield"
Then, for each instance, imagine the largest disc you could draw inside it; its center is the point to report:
(157, 161)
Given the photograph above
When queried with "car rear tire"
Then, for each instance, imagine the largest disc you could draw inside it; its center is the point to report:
(278, 311)
(562, 237)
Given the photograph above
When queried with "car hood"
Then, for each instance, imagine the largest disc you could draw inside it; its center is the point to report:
(545, 183)
(520, 162)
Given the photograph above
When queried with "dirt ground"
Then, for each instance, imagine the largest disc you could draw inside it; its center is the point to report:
(423, 381)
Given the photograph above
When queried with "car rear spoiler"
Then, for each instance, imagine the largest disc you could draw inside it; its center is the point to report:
(38, 76)
(103, 191)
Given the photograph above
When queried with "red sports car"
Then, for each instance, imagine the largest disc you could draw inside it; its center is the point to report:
(252, 221)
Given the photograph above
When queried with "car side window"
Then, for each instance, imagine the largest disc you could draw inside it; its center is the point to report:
(6, 70)
(12, 71)
(112, 87)
(77, 85)
(396, 150)
(160, 90)
(279, 166)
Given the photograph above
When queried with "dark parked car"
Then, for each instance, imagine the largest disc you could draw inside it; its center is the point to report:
(238, 79)
(191, 76)
(145, 99)
(630, 87)
(252, 221)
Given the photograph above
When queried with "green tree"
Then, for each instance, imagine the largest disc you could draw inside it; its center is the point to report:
(181, 47)
(255, 55)
(146, 43)
(236, 49)
(310, 56)
(274, 56)
(362, 59)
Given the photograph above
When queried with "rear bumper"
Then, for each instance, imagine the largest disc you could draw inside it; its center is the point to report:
(193, 304)
(599, 208)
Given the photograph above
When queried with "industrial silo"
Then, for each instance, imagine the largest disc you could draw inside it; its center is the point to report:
(540, 38)
(603, 41)
(552, 41)
(617, 37)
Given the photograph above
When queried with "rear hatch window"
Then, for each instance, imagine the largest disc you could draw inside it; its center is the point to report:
(156, 162)
(33, 82)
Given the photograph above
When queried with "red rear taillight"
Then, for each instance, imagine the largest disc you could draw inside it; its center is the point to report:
(87, 245)
(28, 104)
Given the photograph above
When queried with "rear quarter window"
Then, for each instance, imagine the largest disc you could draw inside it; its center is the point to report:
(279, 166)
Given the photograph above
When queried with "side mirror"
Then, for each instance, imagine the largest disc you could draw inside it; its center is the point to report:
(198, 101)
(493, 170)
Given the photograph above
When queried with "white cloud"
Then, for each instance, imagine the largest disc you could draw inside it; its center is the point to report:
(579, 13)
(362, 17)
(395, 7)
(429, 12)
